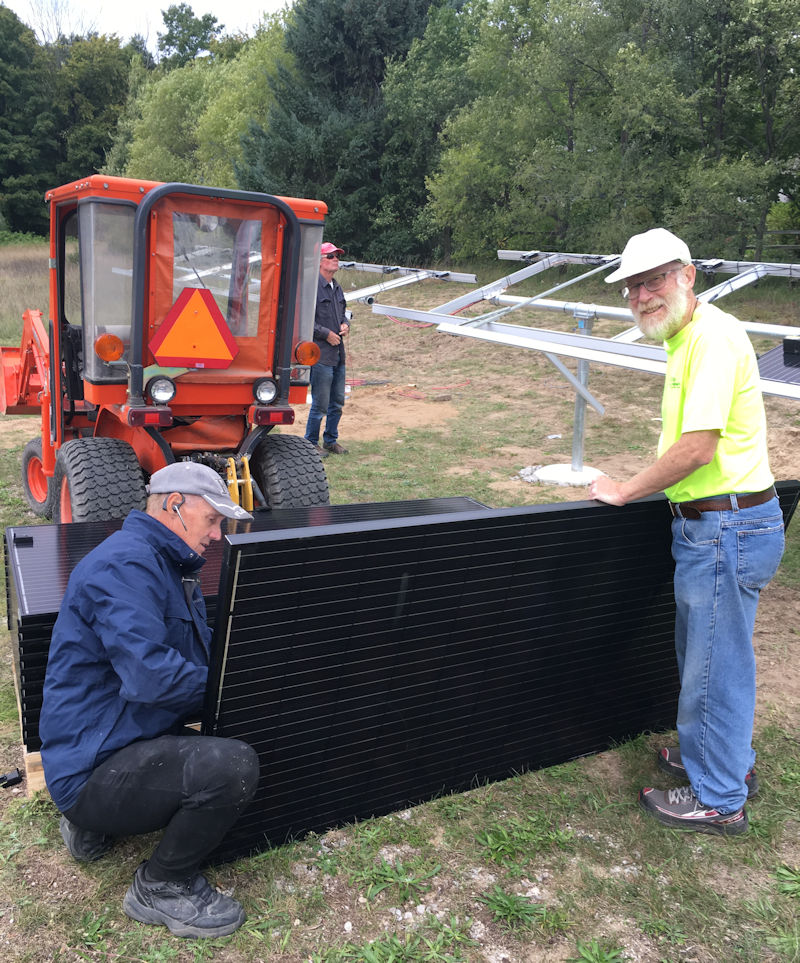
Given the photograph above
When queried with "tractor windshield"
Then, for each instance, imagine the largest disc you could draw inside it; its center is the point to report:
(222, 255)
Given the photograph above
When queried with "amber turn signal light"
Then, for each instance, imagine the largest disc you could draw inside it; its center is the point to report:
(306, 352)
(108, 347)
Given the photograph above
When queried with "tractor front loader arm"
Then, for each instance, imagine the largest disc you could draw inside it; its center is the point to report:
(25, 383)
(26, 369)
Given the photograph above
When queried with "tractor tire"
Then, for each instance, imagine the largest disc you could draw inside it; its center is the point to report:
(97, 479)
(39, 489)
(289, 472)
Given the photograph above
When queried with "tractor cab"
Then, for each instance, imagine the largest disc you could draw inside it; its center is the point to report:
(181, 326)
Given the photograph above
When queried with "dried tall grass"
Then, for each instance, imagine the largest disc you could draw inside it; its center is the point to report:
(23, 285)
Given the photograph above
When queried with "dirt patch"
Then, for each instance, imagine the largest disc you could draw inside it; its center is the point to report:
(775, 641)
(374, 412)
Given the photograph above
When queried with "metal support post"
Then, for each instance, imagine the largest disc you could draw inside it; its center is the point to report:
(578, 431)
(574, 474)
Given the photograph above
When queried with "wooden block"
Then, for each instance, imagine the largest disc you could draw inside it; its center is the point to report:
(34, 773)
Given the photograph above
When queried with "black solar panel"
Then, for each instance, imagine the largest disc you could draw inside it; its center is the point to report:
(378, 664)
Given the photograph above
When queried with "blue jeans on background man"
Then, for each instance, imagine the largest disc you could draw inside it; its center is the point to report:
(722, 561)
(327, 401)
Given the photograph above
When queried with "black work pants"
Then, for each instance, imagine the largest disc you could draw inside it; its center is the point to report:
(193, 787)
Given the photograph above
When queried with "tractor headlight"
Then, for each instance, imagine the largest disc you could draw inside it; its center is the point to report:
(265, 391)
(161, 390)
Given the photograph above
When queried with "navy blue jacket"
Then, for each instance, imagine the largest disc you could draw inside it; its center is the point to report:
(126, 661)
(329, 316)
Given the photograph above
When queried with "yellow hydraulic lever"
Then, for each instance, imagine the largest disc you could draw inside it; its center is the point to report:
(240, 489)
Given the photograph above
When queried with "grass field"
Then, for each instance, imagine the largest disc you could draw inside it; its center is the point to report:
(554, 865)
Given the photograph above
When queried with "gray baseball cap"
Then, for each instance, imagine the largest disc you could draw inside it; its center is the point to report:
(191, 478)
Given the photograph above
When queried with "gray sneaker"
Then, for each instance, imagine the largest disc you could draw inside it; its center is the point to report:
(84, 845)
(669, 760)
(681, 809)
(188, 908)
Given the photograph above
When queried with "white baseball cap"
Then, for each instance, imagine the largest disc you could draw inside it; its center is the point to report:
(649, 250)
(192, 478)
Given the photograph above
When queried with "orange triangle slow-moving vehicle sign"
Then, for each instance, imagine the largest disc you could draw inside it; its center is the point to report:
(194, 333)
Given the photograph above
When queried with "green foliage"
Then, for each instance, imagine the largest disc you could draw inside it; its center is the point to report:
(92, 84)
(8, 703)
(437, 940)
(238, 94)
(789, 881)
(519, 912)
(513, 843)
(421, 91)
(608, 119)
(187, 124)
(437, 128)
(789, 572)
(186, 35)
(786, 941)
(663, 930)
(28, 130)
(93, 931)
(164, 145)
(406, 880)
(324, 132)
(342, 45)
(8, 238)
(118, 154)
(595, 952)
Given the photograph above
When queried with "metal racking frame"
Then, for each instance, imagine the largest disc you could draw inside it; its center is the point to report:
(622, 350)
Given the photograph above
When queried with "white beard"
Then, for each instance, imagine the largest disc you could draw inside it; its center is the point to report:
(674, 320)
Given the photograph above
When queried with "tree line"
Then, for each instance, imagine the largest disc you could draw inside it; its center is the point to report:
(436, 129)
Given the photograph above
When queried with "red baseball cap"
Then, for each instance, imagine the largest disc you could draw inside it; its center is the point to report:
(328, 248)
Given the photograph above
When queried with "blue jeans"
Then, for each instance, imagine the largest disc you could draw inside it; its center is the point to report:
(327, 401)
(722, 561)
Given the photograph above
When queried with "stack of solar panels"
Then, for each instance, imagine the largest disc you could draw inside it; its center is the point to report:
(40, 558)
(38, 562)
(378, 655)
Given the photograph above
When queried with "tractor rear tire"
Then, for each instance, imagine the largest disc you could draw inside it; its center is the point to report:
(39, 489)
(97, 479)
(289, 472)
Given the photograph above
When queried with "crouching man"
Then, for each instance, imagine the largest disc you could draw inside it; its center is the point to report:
(127, 668)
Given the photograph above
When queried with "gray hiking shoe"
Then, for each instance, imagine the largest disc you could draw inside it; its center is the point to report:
(84, 845)
(188, 908)
(669, 760)
(681, 809)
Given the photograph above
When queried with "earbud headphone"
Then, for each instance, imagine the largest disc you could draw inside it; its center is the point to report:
(176, 508)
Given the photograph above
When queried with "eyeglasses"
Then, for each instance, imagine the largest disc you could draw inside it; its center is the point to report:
(652, 284)
(331, 257)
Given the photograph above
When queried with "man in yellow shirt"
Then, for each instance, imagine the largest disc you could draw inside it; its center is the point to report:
(727, 529)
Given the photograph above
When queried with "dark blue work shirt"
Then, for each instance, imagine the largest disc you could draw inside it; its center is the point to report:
(329, 316)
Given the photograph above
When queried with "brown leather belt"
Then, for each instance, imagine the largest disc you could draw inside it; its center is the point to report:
(720, 503)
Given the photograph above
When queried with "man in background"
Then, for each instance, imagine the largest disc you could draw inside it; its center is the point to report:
(331, 327)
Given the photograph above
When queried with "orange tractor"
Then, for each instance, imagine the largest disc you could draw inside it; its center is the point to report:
(181, 327)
